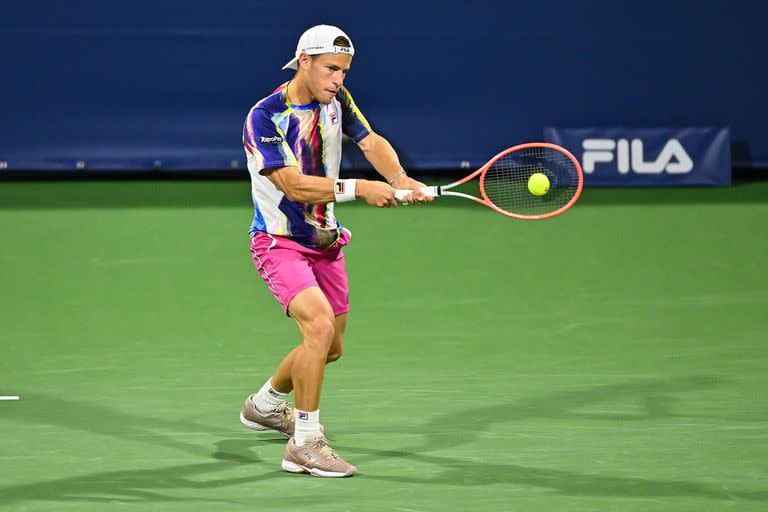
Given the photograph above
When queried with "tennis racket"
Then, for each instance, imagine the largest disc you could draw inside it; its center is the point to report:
(504, 182)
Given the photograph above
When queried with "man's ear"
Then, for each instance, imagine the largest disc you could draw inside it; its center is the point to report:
(304, 61)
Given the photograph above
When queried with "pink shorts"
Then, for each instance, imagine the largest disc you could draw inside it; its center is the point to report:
(288, 267)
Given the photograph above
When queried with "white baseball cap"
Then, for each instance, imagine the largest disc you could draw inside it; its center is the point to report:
(319, 39)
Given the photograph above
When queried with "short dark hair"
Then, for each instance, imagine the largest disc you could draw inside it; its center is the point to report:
(342, 41)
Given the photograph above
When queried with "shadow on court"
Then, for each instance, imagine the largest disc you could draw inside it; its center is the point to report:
(152, 485)
(25, 195)
(752, 192)
(33, 195)
(655, 394)
(463, 429)
(103, 420)
(452, 429)
(156, 485)
(462, 473)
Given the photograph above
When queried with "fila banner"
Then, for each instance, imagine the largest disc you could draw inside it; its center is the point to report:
(664, 156)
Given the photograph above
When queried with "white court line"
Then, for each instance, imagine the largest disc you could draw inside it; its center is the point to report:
(9, 397)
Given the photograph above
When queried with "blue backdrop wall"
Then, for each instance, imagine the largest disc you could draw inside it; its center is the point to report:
(131, 85)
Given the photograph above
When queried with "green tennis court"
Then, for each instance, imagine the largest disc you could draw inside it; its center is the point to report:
(613, 358)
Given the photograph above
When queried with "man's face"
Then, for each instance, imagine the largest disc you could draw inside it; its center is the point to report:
(325, 75)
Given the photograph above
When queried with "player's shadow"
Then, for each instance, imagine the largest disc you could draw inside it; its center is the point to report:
(460, 472)
(164, 485)
(234, 456)
(151, 484)
(103, 420)
(656, 395)
(462, 427)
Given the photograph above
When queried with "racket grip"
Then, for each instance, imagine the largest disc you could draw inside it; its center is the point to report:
(427, 191)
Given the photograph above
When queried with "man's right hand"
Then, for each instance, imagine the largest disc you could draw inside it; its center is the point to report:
(376, 193)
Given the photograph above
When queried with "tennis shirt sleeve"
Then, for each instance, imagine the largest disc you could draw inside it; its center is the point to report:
(353, 123)
(266, 143)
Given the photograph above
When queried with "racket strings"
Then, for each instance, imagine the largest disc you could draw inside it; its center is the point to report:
(506, 182)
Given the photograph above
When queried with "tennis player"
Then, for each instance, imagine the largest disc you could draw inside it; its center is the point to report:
(293, 141)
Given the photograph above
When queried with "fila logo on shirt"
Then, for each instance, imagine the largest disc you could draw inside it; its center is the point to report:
(272, 140)
(673, 158)
(333, 117)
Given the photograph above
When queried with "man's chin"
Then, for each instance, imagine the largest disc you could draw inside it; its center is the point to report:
(326, 98)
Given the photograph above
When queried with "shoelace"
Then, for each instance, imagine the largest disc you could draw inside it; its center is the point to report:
(322, 443)
(286, 411)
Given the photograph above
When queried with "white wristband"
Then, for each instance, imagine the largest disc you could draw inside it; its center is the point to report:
(344, 190)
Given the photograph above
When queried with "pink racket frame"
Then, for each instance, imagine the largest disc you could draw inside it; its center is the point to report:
(484, 169)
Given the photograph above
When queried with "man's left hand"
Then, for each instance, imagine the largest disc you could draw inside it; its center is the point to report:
(403, 182)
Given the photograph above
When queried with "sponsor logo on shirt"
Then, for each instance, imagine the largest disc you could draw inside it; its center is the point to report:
(272, 140)
(334, 118)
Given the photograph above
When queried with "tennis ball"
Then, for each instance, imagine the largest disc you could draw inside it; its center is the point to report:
(538, 184)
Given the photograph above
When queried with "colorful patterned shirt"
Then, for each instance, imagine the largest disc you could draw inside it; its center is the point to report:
(278, 133)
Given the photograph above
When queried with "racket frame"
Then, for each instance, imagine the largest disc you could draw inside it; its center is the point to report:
(444, 190)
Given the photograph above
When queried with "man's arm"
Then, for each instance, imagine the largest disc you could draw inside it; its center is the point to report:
(382, 156)
(316, 189)
(380, 153)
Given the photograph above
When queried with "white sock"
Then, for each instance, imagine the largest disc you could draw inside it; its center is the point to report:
(307, 426)
(267, 399)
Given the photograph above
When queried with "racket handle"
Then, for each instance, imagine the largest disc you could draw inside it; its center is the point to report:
(427, 191)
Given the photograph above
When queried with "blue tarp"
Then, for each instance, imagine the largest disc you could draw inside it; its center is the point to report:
(134, 85)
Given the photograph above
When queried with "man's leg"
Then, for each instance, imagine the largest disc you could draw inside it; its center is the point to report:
(287, 271)
(337, 346)
(307, 450)
(267, 408)
(300, 369)
(281, 380)
(311, 310)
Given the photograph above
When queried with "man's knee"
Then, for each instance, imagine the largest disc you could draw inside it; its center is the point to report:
(334, 355)
(319, 332)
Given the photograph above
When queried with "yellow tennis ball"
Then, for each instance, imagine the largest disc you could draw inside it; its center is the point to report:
(538, 184)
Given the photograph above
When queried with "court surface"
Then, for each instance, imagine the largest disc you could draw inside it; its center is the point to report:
(613, 358)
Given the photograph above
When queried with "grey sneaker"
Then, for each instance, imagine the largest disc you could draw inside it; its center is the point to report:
(316, 458)
(281, 419)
